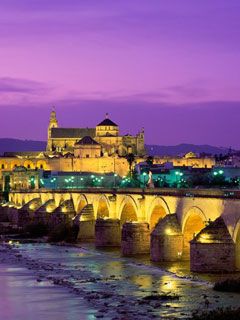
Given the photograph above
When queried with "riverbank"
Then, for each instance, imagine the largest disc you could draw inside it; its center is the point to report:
(100, 284)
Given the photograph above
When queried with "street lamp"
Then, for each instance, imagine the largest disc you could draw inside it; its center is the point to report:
(114, 184)
(144, 182)
(215, 173)
(178, 174)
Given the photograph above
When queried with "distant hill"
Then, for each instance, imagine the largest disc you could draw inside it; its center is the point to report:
(181, 149)
(10, 145)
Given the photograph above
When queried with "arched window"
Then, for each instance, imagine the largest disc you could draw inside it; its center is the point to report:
(3, 166)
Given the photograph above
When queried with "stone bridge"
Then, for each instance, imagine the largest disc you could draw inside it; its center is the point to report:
(208, 219)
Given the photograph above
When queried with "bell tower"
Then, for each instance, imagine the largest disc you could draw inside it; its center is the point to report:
(53, 123)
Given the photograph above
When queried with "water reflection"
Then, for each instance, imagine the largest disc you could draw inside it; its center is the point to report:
(143, 281)
(125, 281)
(168, 284)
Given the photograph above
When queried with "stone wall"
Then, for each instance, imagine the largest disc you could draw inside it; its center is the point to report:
(212, 257)
(167, 240)
(135, 238)
(212, 249)
(107, 233)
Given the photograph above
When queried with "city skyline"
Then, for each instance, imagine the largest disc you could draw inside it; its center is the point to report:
(170, 67)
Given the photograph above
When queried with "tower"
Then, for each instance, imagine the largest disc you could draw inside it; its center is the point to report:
(53, 123)
(107, 128)
(141, 143)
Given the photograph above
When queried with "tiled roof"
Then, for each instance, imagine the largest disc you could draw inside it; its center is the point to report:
(86, 141)
(72, 132)
(107, 122)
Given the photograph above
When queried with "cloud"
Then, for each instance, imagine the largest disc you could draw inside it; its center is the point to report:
(17, 85)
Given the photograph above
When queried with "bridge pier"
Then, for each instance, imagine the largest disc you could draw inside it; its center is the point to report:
(26, 213)
(166, 240)
(135, 238)
(64, 213)
(42, 214)
(107, 233)
(213, 249)
(9, 213)
(86, 223)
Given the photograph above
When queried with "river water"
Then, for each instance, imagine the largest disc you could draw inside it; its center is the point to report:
(43, 281)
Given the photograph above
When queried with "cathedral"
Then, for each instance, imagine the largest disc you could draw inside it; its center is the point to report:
(103, 140)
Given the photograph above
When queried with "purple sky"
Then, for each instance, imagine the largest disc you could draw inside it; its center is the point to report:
(170, 66)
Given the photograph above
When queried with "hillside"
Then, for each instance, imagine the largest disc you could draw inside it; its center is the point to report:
(10, 145)
(181, 149)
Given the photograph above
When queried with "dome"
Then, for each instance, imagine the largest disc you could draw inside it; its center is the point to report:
(107, 122)
(190, 155)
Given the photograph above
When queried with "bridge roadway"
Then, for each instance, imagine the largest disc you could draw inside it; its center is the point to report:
(193, 208)
(146, 204)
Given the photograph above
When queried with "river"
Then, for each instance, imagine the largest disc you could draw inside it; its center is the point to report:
(44, 281)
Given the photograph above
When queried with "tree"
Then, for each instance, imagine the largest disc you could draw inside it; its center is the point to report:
(130, 159)
(149, 161)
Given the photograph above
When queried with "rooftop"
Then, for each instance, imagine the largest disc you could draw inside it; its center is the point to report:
(87, 140)
(72, 132)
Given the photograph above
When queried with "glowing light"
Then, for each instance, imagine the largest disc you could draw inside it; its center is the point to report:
(169, 286)
(205, 238)
(49, 209)
(179, 254)
(169, 232)
(32, 206)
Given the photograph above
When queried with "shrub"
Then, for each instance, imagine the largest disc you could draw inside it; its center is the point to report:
(36, 230)
(219, 314)
(228, 285)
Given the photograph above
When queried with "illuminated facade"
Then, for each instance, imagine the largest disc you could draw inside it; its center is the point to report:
(105, 134)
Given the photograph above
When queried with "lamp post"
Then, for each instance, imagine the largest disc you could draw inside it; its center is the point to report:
(81, 183)
(219, 172)
(114, 182)
(178, 176)
(93, 179)
(144, 181)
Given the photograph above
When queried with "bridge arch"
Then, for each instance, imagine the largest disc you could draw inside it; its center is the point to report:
(15, 163)
(81, 203)
(33, 204)
(128, 210)
(61, 197)
(41, 164)
(102, 207)
(158, 210)
(28, 164)
(194, 220)
(50, 205)
(236, 239)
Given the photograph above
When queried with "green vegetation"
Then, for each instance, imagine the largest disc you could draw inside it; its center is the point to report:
(130, 159)
(219, 314)
(228, 285)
